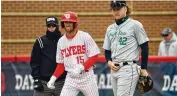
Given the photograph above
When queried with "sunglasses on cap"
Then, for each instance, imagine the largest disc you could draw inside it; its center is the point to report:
(165, 35)
(117, 5)
(51, 25)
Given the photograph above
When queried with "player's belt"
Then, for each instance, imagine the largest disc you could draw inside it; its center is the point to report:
(123, 63)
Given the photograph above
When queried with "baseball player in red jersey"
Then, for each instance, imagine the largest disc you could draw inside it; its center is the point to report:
(76, 53)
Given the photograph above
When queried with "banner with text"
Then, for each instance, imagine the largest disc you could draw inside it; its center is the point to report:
(17, 81)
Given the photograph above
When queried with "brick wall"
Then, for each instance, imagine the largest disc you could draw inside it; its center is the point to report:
(31, 27)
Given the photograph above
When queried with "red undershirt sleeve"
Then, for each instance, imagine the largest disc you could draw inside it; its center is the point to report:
(59, 70)
(90, 62)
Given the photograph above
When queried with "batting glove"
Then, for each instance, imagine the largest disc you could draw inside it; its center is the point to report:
(78, 70)
(51, 82)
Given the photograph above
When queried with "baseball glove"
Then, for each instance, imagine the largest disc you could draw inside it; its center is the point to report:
(145, 84)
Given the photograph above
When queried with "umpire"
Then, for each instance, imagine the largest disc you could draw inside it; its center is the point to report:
(43, 60)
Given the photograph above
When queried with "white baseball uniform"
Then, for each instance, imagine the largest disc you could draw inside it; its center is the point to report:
(72, 52)
(123, 41)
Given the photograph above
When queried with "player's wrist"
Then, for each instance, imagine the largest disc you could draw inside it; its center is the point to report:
(143, 72)
(53, 78)
(109, 62)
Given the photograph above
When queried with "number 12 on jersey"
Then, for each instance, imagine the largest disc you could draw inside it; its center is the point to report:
(80, 59)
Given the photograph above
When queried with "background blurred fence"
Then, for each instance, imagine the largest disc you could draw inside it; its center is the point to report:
(17, 81)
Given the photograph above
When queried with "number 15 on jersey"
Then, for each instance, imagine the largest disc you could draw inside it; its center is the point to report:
(80, 59)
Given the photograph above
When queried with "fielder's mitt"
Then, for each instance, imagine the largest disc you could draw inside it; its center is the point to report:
(145, 84)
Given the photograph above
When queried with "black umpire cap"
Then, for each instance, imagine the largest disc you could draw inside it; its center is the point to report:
(51, 20)
(117, 4)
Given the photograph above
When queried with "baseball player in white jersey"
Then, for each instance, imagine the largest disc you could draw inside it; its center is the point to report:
(77, 52)
(122, 44)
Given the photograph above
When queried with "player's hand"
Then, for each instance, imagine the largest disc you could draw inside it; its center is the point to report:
(112, 66)
(51, 82)
(143, 73)
(77, 70)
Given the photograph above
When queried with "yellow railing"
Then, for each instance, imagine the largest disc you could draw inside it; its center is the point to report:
(86, 13)
(98, 40)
